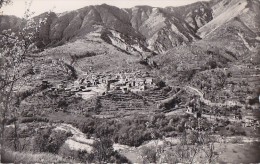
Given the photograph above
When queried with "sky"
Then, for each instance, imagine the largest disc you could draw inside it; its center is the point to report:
(18, 7)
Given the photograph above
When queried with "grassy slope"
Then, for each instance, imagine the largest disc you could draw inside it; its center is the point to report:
(96, 54)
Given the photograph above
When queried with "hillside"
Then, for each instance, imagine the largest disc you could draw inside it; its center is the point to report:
(133, 82)
(228, 39)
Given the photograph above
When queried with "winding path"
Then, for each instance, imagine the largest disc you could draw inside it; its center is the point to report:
(209, 103)
(79, 141)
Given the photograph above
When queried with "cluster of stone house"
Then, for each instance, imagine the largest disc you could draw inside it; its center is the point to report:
(132, 82)
(196, 113)
(93, 80)
(121, 81)
(250, 122)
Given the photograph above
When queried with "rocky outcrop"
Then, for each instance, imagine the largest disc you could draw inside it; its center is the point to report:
(169, 27)
(133, 45)
(232, 12)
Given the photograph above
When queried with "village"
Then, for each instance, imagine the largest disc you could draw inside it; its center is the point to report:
(89, 85)
(97, 84)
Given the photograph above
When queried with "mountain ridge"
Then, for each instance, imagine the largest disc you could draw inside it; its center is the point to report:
(151, 23)
(145, 31)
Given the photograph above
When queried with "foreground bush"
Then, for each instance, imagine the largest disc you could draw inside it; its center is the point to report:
(79, 155)
(102, 152)
(26, 157)
(49, 140)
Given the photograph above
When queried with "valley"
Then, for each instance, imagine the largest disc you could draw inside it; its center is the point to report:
(136, 85)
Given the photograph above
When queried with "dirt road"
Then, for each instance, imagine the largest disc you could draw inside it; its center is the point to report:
(209, 103)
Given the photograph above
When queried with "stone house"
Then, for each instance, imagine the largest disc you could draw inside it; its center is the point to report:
(149, 81)
(123, 78)
(60, 86)
(95, 82)
(142, 87)
(94, 77)
(140, 81)
(125, 89)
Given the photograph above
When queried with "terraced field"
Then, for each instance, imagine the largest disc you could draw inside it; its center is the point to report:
(154, 95)
(119, 104)
(118, 101)
(250, 75)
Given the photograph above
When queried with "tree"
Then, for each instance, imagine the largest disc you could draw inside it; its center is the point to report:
(103, 150)
(4, 2)
(149, 154)
(188, 149)
(15, 49)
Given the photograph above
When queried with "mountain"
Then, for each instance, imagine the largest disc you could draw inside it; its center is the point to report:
(10, 22)
(157, 29)
(223, 32)
(169, 27)
(228, 50)
(243, 11)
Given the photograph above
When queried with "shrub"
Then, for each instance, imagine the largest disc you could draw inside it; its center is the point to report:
(80, 155)
(87, 126)
(62, 103)
(168, 129)
(192, 137)
(102, 150)
(160, 84)
(143, 62)
(166, 89)
(56, 140)
(33, 119)
(11, 120)
(40, 140)
(50, 141)
(174, 119)
(118, 158)
(212, 64)
(134, 135)
(149, 154)
(180, 128)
